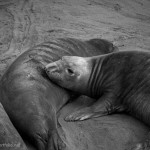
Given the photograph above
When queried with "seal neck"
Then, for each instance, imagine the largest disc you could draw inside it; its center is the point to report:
(95, 79)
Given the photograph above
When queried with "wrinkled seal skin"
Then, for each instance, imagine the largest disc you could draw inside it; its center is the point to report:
(9, 137)
(119, 81)
(31, 100)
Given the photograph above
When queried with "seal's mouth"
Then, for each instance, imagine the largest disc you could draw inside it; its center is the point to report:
(52, 68)
(53, 71)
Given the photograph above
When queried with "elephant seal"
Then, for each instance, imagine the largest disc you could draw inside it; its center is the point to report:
(9, 137)
(31, 100)
(119, 81)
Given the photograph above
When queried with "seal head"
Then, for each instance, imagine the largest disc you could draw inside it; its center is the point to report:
(71, 72)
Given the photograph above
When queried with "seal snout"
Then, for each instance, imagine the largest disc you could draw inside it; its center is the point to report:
(52, 67)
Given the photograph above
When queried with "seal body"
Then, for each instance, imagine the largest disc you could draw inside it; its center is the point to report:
(9, 137)
(31, 100)
(119, 81)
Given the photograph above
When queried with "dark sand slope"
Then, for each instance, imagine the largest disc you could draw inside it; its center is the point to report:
(24, 23)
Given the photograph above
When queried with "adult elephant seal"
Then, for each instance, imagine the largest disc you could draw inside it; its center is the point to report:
(28, 96)
(9, 137)
(119, 81)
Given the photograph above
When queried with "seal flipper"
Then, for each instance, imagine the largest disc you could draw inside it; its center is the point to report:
(82, 114)
(104, 106)
(55, 142)
(143, 145)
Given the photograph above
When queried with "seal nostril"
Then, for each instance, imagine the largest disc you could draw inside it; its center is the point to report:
(70, 71)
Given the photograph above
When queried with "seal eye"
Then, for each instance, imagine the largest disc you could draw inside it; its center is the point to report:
(70, 71)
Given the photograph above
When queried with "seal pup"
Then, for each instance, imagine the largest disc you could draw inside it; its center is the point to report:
(31, 100)
(119, 81)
